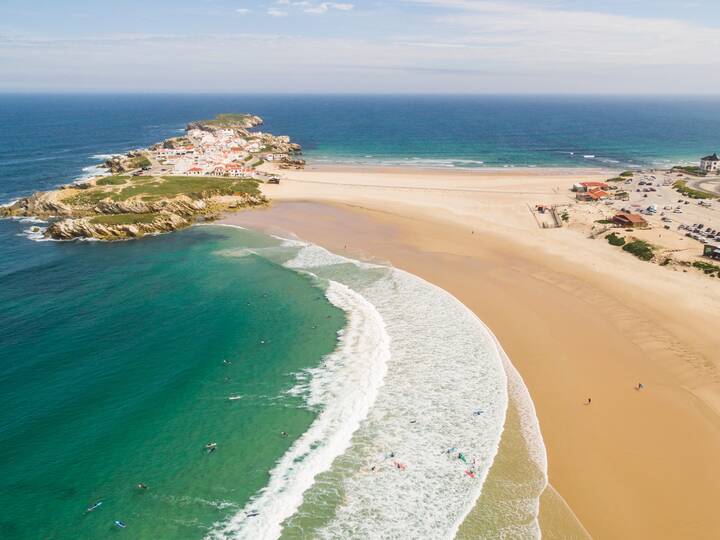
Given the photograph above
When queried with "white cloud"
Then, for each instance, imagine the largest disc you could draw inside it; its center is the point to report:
(243, 11)
(525, 34)
(316, 8)
(274, 12)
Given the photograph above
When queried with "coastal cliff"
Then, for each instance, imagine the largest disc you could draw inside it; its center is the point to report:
(173, 184)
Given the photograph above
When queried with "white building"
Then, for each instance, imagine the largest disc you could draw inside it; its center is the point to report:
(710, 163)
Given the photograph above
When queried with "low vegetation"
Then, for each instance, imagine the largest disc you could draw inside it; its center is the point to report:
(616, 179)
(627, 174)
(138, 162)
(641, 249)
(693, 170)
(229, 120)
(615, 239)
(150, 188)
(112, 180)
(709, 268)
(195, 187)
(682, 187)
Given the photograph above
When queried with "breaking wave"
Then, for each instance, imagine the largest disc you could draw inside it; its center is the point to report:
(412, 407)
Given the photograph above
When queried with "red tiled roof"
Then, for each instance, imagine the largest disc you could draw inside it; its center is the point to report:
(632, 218)
(593, 184)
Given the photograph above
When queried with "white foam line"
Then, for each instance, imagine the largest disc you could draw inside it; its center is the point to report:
(445, 361)
(346, 385)
(229, 225)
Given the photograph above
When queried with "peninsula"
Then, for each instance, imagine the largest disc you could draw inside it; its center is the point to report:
(211, 169)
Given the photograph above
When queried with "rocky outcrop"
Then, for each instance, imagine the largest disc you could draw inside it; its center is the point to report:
(181, 205)
(69, 229)
(292, 163)
(41, 204)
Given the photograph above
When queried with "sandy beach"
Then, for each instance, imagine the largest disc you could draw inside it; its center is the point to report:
(578, 318)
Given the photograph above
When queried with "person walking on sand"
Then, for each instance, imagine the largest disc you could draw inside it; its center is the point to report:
(589, 401)
(640, 386)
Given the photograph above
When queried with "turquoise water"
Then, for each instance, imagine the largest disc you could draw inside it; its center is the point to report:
(112, 374)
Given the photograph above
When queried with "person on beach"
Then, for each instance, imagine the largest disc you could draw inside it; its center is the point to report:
(640, 386)
(589, 401)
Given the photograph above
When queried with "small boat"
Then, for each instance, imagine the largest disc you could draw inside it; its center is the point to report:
(94, 506)
(119, 524)
(234, 398)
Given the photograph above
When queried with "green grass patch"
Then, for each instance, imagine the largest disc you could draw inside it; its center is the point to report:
(193, 186)
(693, 170)
(139, 162)
(640, 248)
(229, 120)
(112, 180)
(154, 188)
(123, 219)
(615, 240)
(616, 179)
(88, 197)
(682, 187)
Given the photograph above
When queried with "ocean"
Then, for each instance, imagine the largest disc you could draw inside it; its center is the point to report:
(118, 361)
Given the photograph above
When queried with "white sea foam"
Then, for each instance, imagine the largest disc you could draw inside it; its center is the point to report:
(345, 386)
(30, 220)
(9, 204)
(443, 163)
(447, 386)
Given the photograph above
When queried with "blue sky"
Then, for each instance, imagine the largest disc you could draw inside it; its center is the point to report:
(427, 46)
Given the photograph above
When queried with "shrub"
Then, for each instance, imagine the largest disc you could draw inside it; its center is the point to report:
(615, 240)
(640, 248)
(681, 187)
(627, 174)
(708, 268)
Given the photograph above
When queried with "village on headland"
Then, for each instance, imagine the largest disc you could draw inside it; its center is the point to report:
(211, 169)
(667, 217)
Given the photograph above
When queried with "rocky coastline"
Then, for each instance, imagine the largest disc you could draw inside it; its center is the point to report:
(141, 198)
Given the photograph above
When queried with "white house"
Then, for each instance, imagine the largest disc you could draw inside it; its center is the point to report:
(195, 171)
(710, 163)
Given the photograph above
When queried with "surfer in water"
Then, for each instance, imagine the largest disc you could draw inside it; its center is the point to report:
(142, 486)
(211, 447)
(284, 434)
